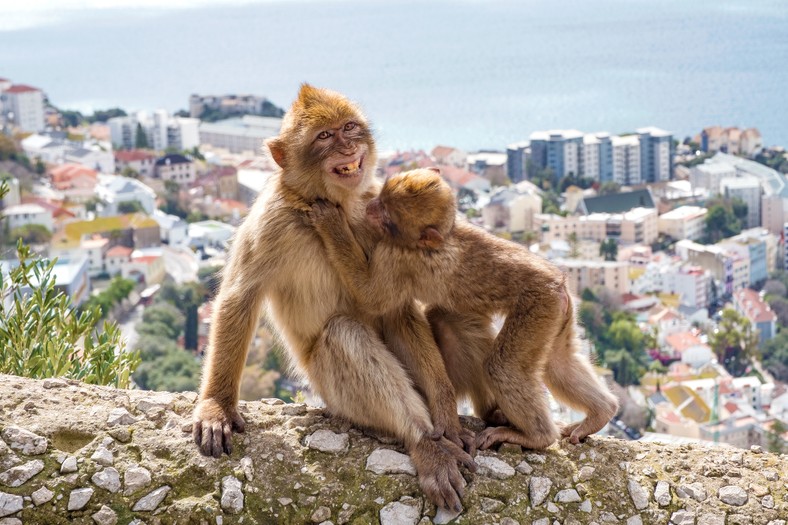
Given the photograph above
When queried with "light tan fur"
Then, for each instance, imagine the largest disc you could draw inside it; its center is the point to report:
(467, 276)
(352, 359)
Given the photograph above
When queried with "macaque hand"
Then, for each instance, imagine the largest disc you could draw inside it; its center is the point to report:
(325, 214)
(447, 425)
(213, 426)
(437, 462)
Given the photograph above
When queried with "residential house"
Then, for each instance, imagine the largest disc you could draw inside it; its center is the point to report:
(685, 222)
(27, 214)
(138, 160)
(748, 189)
(114, 190)
(749, 303)
(462, 179)
(116, 258)
(582, 274)
(145, 266)
(512, 208)
(448, 156)
(489, 164)
(175, 167)
(220, 182)
(731, 140)
(24, 105)
(135, 230)
(636, 226)
(75, 182)
(209, 233)
(174, 230)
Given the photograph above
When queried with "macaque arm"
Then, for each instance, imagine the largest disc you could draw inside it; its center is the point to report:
(376, 291)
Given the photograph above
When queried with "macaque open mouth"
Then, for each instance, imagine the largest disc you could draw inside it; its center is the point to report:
(350, 170)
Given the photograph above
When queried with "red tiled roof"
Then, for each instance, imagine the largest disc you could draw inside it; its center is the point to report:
(21, 88)
(441, 151)
(133, 155)
(69, 171)
(756, 310)
(119, 251)
(682, 340)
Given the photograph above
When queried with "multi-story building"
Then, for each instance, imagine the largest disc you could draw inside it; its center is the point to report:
(637, 226)
(710, 176)
(112, 190)
(581, 274)
(513, 208)
(715, 259)
(558, 150)
(685, 222)
(28, 214)
(731, 140)
(161, 131)
(656, 154)
(773, 213)
(749, 303)
(240, 135)
(141, 161)
(175, 167)
(516, 159)
(748, 189)
(23, 107)
(448, 156)
(232, 105)
(626, 160)
(760, 247)
(691, 283)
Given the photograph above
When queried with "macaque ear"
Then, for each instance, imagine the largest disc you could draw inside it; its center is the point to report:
(430, 238)
(436, 170)
(277, 150)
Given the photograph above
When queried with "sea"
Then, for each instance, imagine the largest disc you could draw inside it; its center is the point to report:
(474, 74)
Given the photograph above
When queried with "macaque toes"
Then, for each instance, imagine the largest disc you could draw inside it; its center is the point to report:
(466, 276)
(382, 371)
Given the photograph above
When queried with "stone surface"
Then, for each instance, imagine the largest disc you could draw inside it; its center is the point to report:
(41, 496)
(10, 503)
(538, 488)
(232, 496)
(78, 498)
(284, 480)
(662, 493)
(152, 500)
(135, 478)
(682, 517)
(120, 416)
(328, 441)
(321, 514)
(107, 479)
(638, 494)
(103, 456)
(19, 475)
(401, 513)
(69, 465)
(732, 495)
(24, 441)
(105, 516)
(386, 461)
(494, 467)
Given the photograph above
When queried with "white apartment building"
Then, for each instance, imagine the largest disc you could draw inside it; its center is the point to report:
(710, 176)
(637, 226)
(691, 283)
(24, 107)
(685, 222)
(582, 274)
(626, 160)
(591, 153)
(161, 131)
(246, 134)
(748, 189)
(24, 214)
(659, 156)
(773, 213)
(113, 190)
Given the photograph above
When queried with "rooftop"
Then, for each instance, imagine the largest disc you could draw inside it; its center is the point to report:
(247, 126)
(684, 213)
(774, 182)
(21, 88)
(619, 202)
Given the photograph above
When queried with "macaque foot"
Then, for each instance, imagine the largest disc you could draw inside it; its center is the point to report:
(437, 462)
(449, 427)
(577, 432)
(213, 426)
(494, 436)
(496, 418)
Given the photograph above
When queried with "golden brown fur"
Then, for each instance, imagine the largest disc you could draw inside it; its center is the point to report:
(325, 150)
(467, 276)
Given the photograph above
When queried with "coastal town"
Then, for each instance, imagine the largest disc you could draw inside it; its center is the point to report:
(673, 246)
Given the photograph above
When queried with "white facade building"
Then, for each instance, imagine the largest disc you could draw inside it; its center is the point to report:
(240, 135)
(24, 106)
(24, 214)
(114, 189)
(626, 160)
(685, 222)
(748, 189)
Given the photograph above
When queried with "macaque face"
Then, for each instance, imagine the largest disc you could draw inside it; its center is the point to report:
(341, 152)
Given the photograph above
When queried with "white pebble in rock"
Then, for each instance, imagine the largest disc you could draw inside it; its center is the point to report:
(535, 458)
(386, 461)
(232, 496)
(328, 441)
(10, 503)
(509, 521)
(107, 479)
(17, 476)
(284, 501)
(120, 416)
(103, 456)
(634, 520)
(539, 488)
(398, 513)
(489, 505)
(494, 467)
(732, 495)
(695, 491)
(69, 465)
(586, 506)
(542, 521)
(105, 516)
(586, 473)
(711, 519)
(524, 468)
(24, 441)
(444, 516)
(567, 496)
(135, 478)
(41, 496)
(150, 501)
(247, 466)
(768, 502)
(662, 493)
(78, 498)
(638, 494)
(10, 521)
(552, 507)
(682, 517)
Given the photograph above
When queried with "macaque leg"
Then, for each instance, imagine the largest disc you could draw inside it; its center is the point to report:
(571, 379)
(359, 379)
(408, 335)
(465, 341)
(515, 371)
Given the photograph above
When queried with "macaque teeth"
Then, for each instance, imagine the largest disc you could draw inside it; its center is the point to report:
(348, 168)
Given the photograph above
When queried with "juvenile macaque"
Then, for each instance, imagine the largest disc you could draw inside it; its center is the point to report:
(358, 363)
(466, 276)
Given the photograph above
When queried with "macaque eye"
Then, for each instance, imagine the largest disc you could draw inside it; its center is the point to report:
(350, 126)
(324, 135)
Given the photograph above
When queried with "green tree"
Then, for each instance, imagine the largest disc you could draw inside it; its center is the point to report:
(624, 333)
(130, 207)
(609, 188)
(626, 370)
(187, 298)
(775, 355)
(609, 249)
(724, 219)
(40, 167)
(734, 342)
(30, 234)
(42, 335)
(174, 370)
(140, 138)
(106, 114)
(8, 148)
(130, 172)
(574, 245)
(774, 439)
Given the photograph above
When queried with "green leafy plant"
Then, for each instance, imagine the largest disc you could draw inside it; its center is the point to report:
(42, 334)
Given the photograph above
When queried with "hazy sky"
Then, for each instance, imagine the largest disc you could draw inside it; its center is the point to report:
(22, 14)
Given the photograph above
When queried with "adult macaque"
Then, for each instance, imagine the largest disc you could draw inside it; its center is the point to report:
(467, 276)
(325, 151)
